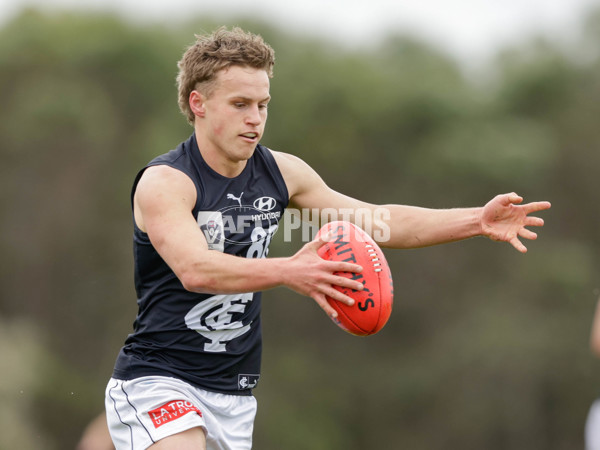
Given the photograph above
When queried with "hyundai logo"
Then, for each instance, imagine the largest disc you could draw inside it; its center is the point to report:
(264, 203)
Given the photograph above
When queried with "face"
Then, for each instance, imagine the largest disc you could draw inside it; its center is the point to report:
(230, 122)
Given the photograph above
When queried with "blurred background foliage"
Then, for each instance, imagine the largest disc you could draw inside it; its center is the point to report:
(486, 348)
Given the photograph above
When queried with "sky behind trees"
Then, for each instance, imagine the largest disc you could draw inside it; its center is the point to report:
(471, 29)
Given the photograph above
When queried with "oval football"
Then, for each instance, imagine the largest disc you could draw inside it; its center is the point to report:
(373, 305)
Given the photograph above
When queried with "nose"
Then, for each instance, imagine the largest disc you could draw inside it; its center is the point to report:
(254, 116)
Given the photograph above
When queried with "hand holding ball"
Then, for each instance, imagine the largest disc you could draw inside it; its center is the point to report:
(373, 305)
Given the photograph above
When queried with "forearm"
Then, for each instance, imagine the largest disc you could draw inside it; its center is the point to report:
(304, 272)
(414, 227)
(220, 273)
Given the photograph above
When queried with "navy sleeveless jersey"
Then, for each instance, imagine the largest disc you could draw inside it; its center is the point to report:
(210, 341)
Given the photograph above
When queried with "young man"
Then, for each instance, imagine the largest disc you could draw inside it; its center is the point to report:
(204, 215)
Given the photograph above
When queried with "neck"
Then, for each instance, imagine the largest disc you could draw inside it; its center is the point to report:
(218, 160)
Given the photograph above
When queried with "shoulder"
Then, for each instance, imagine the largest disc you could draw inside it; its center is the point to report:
(285, 159)
(302, 181)
(162, 184)
(296, 172)
(162, 176)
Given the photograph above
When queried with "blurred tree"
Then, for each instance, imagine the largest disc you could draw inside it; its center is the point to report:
(486, 347)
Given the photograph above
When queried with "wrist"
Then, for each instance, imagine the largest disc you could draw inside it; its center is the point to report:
(277, 271)
(479, 229)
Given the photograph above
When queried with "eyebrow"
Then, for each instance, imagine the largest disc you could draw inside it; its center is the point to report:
(248, 99)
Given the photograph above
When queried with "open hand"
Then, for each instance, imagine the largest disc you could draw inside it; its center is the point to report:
(504, 219)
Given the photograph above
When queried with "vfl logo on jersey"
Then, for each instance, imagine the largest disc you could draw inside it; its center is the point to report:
(240, 225)
(211, 224)
(264, 203)
(213, 229)
(213, 319)
(247, 381)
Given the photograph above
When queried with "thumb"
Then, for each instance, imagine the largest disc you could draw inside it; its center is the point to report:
(322, 239)
(513, 197)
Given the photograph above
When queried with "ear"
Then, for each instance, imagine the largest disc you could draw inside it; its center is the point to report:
(196, 101)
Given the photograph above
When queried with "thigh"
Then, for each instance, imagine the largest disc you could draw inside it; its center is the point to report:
(149, 411)
(229, 420)
(192, 439)
(143, 411)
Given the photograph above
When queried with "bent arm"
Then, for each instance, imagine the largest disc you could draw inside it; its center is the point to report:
(163, 204)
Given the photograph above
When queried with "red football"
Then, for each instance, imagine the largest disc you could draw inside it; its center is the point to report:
(373, 305)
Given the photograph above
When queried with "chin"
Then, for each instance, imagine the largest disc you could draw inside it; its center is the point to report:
(242, 154)
(247, 151)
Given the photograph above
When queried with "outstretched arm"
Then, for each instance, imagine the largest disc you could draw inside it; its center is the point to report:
(400, 226)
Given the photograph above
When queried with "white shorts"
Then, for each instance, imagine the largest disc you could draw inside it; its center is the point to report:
(592, 427)
(144, 410)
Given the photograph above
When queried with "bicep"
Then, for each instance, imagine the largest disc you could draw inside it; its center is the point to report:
(314, 200)
(163, 201)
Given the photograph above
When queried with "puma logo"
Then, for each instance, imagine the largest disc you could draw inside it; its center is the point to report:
(233, 197)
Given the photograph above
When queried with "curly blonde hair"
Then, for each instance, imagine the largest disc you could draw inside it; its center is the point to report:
(217, 51)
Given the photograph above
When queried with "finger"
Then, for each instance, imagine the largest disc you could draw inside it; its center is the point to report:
(336, 295)
(345, 282)
(321, 240)
(536, 206)
(325, 306)
(514, 198)
(516, 243)
(527, 234)
(339, 266)
(314, 245)
(534, 222)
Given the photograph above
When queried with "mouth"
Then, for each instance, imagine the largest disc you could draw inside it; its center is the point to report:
(250, 136)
